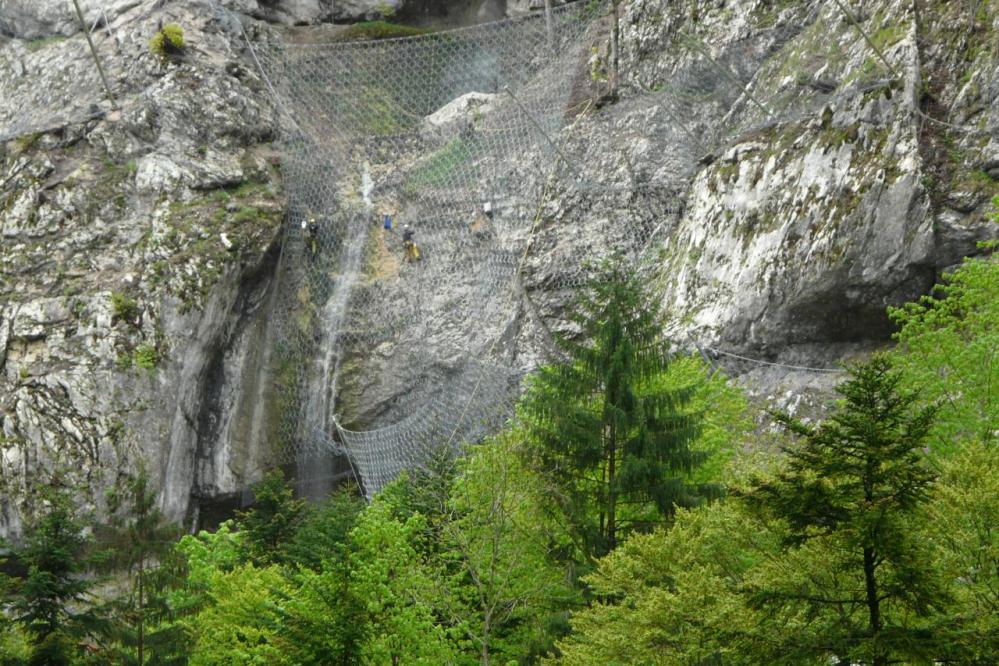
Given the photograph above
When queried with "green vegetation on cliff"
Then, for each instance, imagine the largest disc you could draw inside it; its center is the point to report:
(868, 539)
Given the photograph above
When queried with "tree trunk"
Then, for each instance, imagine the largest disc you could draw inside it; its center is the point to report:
(142, 615)
(603, 486)
(611, 491)
(486, 628)
(873, 604)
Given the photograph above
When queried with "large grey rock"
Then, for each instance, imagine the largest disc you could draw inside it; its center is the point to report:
(457, 115)
(360, 10)
(34, 19)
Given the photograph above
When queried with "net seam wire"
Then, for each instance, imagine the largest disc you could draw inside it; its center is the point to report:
(758, 361)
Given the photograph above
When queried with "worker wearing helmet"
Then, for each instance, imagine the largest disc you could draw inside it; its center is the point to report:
(409, 246)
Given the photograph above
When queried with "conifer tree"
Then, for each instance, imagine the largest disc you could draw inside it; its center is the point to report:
(607, 431)
(272, 520)
(849, 493)
(322, 536)
(142, 544)
(54, 553)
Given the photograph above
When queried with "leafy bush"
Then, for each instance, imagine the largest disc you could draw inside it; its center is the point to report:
(146, 357)
(124, 307)
(168, 41)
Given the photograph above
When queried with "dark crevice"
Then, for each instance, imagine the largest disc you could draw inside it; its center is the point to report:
(255, 284)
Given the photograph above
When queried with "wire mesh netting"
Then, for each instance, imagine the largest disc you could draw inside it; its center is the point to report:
(387, 351)
(415, 168)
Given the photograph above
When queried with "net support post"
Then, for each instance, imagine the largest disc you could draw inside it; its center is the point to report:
(93, 53)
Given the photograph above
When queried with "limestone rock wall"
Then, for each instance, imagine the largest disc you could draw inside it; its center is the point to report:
(800, 224)
(140, 243)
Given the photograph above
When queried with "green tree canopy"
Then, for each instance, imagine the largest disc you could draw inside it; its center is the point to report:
(949, 349)
(503, 586)
(674, 596)
(322, 535)
(849, 493)
(962, 524)
(610, 434)
(51, 602)
(391, 579)
(272, 519)
(141, 543)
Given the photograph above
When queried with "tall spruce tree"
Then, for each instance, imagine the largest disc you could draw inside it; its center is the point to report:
(141, 543)
(849, 495)
(607, 430)
(55, 554)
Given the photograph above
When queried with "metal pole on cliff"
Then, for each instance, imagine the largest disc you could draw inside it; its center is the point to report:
(615, 42)
(870, 42)
(93, 52)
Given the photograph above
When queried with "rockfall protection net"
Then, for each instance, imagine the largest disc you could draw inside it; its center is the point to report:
(448, 136)
(462, 136)
(431, 129)
(456, 135)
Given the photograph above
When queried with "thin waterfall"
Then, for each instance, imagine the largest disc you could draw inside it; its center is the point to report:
(316, 463)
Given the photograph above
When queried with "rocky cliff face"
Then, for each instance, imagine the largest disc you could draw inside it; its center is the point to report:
(140, 242)
(830, 193)
(138, 246)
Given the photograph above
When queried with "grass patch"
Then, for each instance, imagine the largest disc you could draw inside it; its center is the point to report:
(372, 30)
(383, 114)
(146, 357)
(438, 168)
(888, 35)
(42, 42)
(977, 182)
(247, 214)
(23, 144)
